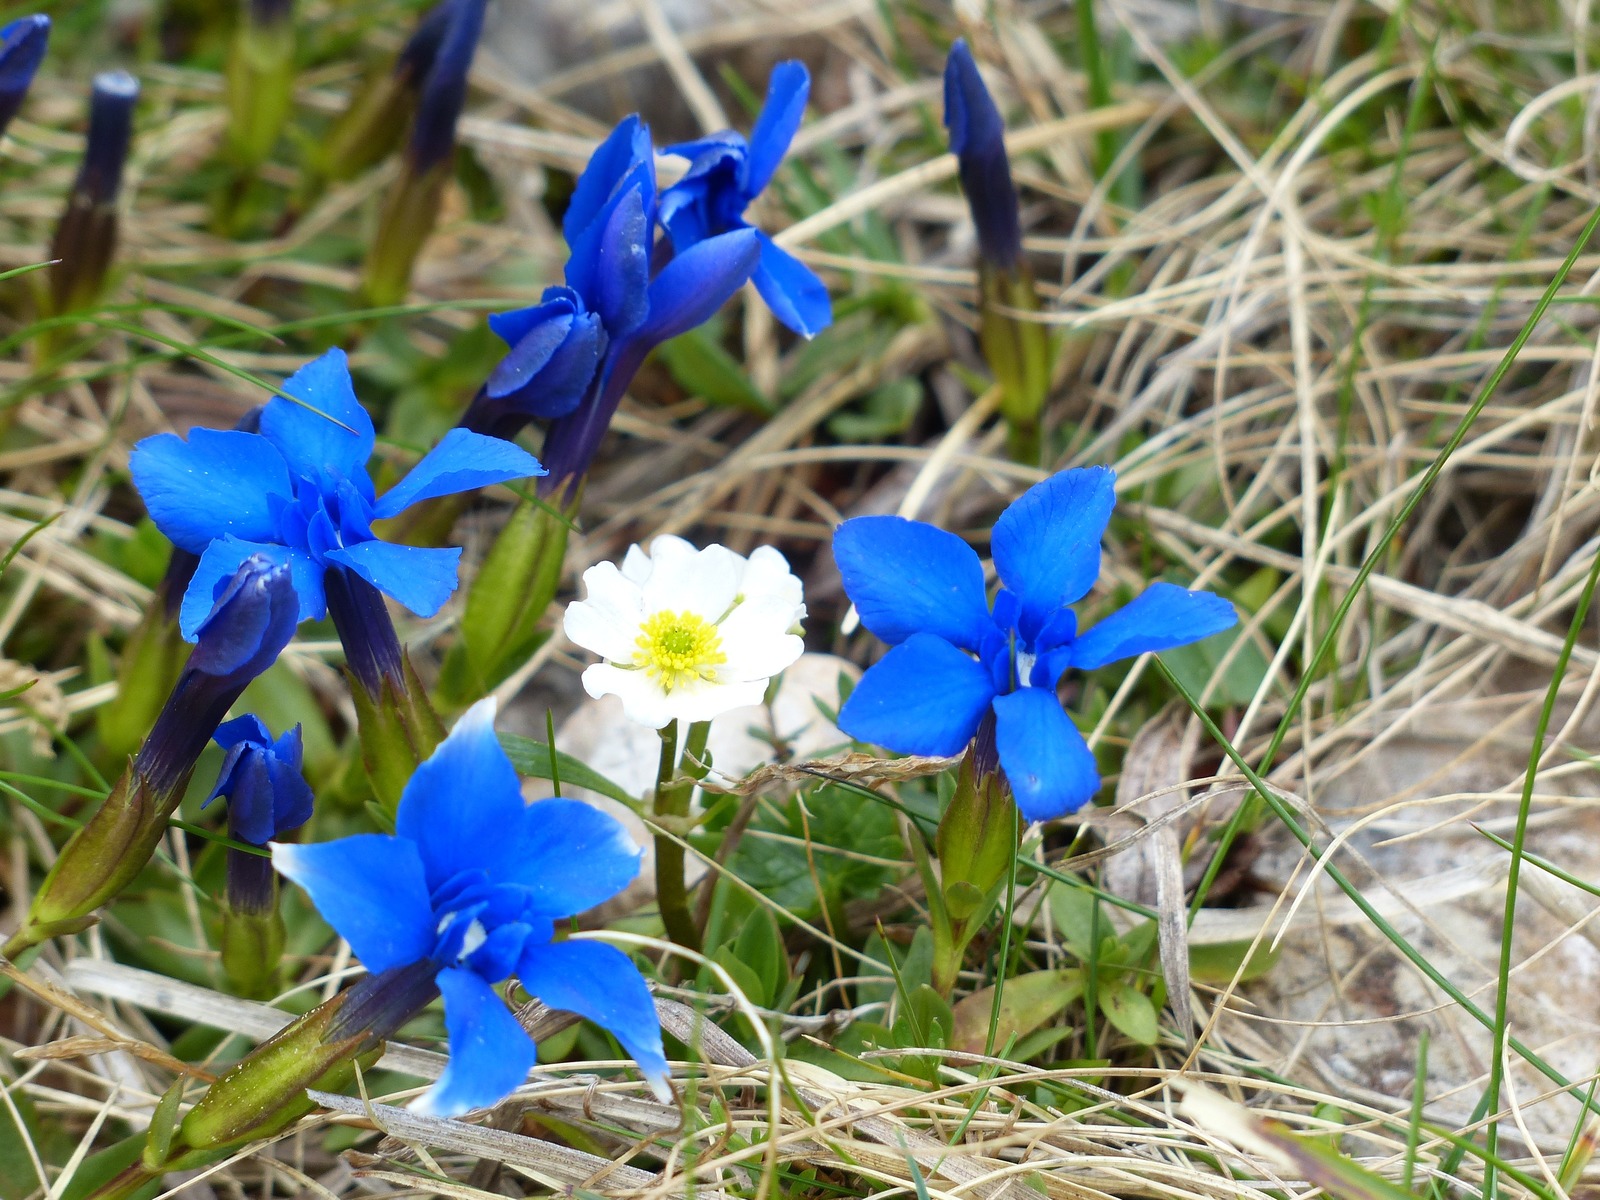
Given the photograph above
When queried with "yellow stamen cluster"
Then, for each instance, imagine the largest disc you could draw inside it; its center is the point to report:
(678, 648)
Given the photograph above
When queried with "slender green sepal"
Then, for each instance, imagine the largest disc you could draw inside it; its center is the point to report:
(1017, 350)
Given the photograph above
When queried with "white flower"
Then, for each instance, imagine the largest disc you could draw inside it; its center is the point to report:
(687, 634)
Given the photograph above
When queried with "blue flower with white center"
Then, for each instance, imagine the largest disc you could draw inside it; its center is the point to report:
(955, 660)
(472, 884)
(22, 47)
(267, 794)
(574, 354)
(298, 492)
(726, 173)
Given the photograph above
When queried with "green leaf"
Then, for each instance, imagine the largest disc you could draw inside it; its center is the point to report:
(743, 976)
(1130, 1010)
(760, 946)
(1029, 1002)
(532, 759)
(703, 368)
(1219, 963)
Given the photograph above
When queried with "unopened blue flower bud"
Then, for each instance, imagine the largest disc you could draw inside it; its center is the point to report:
(85, 241)
(977, 139)
(444, 89)
(22, 47)
(556, 346)
(412, 207)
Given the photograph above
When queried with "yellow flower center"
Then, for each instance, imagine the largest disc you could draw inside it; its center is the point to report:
(678, 648)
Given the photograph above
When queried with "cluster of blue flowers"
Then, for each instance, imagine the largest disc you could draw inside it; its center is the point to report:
(574, 354)
(957, 662)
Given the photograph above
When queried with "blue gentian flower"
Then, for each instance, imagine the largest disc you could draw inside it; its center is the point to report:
(955, 660)
(250, 617)
(978, 140)
(267, 797)
(298, 492)
(22, 47)
(471, 886)
(574, 354)
(726, 173)
(444, 87)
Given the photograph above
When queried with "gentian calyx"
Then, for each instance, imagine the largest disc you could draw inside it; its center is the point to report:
(687, 634)
(726, 173)
(469, 889)
(954, 660)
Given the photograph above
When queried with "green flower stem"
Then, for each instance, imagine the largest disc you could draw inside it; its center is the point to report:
(671, 808)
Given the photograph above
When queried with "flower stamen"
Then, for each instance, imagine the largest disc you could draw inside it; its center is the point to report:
(678, 648)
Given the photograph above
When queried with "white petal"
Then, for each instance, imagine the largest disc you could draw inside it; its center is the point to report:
(669, 547)
(757, 641)
(703, 582)
(607, 619)
(642, 698)
(636, 565)
(704, 701)
(767, 574)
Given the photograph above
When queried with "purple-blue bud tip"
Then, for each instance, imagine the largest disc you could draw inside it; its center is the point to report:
(977, 139)
(251, 621)
(22, 47)
(444, 91)
(416, 57)
(110, 132)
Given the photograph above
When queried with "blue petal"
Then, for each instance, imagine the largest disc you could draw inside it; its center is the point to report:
(600, 984)
(923, 697)
(217, 483)
(314, 446)
(1050, 767)
(462, 460)
(370, 888)
(1161, 617)
(490, 1054)
(1047, 543)
(697, 282)
(421, 578)
(625, 148)
(609, 265)
(463, 807)
(248, 728)
(907, 577)
(292, 799)
(775, 128)
(569, 856)
(793, 291)
(533, 335)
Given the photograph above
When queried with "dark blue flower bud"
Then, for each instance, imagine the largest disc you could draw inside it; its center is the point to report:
(22, 46)
(253, 618)
(444, 91)
(86, 239)
(110, 133)
(416, 57)
(270, 12)
(977, 139)
(371, 646)
(267, 796)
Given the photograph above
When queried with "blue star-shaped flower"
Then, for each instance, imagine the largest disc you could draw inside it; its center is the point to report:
(472, 883)
(267, 794)
(954, 660)
(298, 492)
(726, 173)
